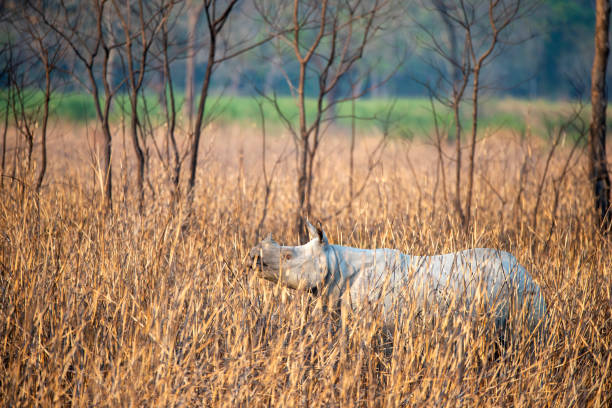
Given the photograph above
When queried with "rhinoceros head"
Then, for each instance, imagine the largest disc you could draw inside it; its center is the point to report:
(303, 266)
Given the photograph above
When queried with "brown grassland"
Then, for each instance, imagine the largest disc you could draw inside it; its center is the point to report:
(161, 309)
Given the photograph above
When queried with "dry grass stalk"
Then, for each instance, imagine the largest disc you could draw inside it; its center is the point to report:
(135, 309)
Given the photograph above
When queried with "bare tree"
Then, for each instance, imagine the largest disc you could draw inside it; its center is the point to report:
(600, 178)
(8, 75)
(170, 108)
(81, 25)
(326, 40)
(221, 48)
(24, 107)
(574, 124)
(484, 27)
(222, 43)
(215, 20)
(140, 25)
(28, 67)
(48, 50)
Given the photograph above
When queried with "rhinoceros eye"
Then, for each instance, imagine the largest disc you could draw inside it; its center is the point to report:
(287, 256)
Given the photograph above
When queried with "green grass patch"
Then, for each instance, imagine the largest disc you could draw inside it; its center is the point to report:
(409, 115)
(406, 117)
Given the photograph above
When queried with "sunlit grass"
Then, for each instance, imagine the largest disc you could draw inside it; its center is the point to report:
(158, 309)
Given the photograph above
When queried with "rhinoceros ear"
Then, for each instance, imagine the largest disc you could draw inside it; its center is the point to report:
(316, 233)
(269, 239)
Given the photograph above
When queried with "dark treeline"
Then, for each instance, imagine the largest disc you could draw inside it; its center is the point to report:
(552, 59)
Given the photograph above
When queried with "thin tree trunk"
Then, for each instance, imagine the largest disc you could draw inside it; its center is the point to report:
(107, 175)
(140, 165)
(19, 114)
(459, 85)
(134, 81)
(468, 205)
(597, 135)
(458, 154)
(106, 169)
(215, 25)
(30, 140)
(104, 118)
(171, 115)
(43, 138)
(301, 191)
(310, 179)
(197, 131)
(457, 96)
(303, 166)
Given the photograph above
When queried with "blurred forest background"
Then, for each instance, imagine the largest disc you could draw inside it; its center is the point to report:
(547, 56)
(551, 57)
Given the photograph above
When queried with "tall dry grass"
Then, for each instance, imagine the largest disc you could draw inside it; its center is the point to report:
(140, 310)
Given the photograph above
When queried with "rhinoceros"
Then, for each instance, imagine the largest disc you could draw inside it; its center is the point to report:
(352, 277)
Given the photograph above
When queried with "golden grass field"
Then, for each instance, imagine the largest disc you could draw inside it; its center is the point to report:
(163, 310)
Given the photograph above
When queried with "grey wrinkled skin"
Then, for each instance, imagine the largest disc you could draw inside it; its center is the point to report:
(295, 266)
(474, 279)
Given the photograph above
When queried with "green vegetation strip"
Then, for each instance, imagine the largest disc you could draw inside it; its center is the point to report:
(406, 117)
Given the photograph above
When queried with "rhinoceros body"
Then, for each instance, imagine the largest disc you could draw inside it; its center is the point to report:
(472, 280)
